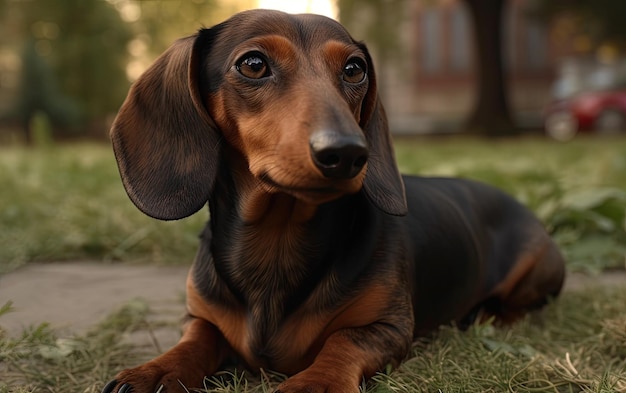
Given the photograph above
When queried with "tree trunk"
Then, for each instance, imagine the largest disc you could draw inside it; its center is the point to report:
(26, 130)
(491, 115)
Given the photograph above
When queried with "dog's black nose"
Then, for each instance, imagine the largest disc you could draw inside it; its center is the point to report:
(338, 156)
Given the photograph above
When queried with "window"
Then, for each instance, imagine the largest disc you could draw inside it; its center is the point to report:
(459, 39)
(536, 46)
(431, 46)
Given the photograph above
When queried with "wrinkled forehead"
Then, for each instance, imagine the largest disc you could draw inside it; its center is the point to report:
(220, 44)
(303, 29)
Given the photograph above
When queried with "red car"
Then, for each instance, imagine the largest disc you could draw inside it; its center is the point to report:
(590, 111)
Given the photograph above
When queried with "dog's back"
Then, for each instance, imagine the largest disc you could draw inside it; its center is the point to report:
(473, 246)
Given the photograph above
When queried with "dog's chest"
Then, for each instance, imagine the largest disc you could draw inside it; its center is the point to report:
(287, 346)
(272, 278)
(273, 336)
(267, 264)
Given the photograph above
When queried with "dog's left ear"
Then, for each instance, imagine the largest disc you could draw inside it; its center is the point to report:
(383, 183)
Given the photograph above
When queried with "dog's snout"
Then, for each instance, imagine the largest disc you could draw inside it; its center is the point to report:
(338, 156)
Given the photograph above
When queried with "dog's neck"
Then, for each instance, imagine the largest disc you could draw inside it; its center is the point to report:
(257, 207)
(259, 236)
(254, 205)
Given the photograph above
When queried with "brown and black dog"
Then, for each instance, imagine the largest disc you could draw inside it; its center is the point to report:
(320, 260)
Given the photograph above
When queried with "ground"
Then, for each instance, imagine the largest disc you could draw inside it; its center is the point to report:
(75, 296)
(72, 297)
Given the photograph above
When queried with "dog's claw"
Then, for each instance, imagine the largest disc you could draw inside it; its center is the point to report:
(108, 388)
(125, 388)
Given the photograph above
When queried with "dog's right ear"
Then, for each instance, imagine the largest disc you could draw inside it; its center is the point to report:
(165, 143)
(383, 183)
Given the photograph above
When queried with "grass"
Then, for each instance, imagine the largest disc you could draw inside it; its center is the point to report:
(577, 189)
(66, 202)
(576, 344)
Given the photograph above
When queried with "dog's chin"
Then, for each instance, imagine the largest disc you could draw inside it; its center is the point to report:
(315, 195)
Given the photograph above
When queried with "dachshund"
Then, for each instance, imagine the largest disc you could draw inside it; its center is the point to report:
(320, 260)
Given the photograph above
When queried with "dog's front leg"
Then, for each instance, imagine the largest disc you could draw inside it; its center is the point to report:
(199, 353)
(348, 356)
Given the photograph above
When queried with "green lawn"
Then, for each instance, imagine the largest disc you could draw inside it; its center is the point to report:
(66, 203)
(576, 344)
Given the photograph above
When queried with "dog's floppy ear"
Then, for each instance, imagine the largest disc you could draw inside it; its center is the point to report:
(165, 143)
(383, 183)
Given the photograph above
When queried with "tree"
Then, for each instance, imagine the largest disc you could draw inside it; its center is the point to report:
(162, 22)
(77, 46)
(602, 21)
(81, 47)
(89, 55)
(491, 114)
(39, 94)
(376, 22)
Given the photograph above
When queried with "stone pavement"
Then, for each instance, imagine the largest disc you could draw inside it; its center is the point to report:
(75, 296)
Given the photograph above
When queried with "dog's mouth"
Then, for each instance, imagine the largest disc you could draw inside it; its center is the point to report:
(327, 191)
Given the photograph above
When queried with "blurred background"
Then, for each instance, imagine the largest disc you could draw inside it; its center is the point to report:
(506, 81)
(525, 95)
(492, 67)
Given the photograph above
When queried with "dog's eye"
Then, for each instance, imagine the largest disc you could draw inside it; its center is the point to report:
(253, 66)
(354, 71)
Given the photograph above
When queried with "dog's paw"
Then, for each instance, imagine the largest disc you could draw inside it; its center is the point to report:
(311, 382)
(153, 379)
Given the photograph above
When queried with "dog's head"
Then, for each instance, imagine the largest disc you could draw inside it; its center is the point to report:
(293, 94)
